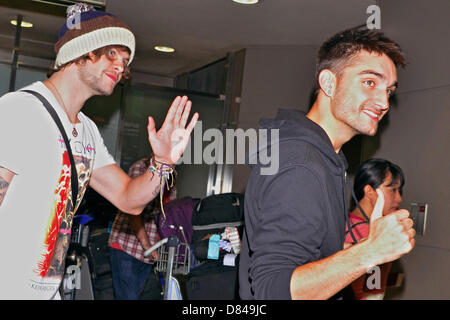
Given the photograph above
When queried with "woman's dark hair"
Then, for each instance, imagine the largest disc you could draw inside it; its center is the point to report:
(373, 172)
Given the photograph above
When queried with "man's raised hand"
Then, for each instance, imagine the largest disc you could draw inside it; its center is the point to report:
(169, 142)
(390, 236)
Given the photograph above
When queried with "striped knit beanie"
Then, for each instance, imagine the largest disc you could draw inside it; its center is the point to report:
(86, 30)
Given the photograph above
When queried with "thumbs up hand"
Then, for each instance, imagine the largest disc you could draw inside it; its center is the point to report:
(378, 208)
(390, 236)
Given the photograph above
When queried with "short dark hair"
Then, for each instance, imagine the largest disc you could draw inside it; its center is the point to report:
(338, 51)
(97, 53)
(372, 172)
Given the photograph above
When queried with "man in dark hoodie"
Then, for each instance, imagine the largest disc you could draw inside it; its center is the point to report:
(295, 219)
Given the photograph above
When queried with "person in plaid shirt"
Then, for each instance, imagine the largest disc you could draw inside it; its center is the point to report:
(131, 236)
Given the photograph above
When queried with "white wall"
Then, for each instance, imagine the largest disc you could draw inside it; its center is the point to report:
(274, 77)
(417, 137)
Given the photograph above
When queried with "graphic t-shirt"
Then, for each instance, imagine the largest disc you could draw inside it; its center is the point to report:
(36, 213)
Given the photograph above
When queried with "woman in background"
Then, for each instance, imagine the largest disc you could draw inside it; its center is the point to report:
(373, 174)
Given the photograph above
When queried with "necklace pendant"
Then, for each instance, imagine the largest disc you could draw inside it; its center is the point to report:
(75, 132)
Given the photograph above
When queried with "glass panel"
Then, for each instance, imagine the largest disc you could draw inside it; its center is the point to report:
(27, 76)
(141, 102)
(24, 77)
(5, 72)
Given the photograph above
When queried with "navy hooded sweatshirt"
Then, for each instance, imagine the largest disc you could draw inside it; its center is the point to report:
(295, 216)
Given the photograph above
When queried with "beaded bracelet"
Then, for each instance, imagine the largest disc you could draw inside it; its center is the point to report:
(165, 171)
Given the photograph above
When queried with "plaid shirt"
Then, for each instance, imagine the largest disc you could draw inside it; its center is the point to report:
(122, 236)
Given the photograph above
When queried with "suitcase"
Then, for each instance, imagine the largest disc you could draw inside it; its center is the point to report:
(212, 215)
(99, 253)
(100, 266)
(213, 281)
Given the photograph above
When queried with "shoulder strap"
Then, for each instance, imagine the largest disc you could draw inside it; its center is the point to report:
(73, 168)
(347, 182)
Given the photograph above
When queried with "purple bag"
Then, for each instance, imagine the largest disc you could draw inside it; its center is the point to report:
(178, 214)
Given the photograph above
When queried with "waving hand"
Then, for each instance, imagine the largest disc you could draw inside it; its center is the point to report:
(169, 142)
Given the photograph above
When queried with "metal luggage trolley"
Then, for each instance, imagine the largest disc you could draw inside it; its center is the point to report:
(174, 257)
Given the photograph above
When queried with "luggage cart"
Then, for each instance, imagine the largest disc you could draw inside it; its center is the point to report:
(174, 257)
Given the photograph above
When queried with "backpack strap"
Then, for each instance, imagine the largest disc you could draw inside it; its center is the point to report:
(73, 168)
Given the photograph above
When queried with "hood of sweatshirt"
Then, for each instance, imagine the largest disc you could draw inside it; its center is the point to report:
(303, 143)
(293, 125)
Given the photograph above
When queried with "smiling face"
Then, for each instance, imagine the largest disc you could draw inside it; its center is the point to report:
(103, 73)
(362, 92)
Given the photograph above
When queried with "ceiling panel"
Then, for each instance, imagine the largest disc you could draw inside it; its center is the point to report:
(200, 30)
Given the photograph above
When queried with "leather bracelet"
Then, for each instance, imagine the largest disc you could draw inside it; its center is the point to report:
(158, 166)
(164, 171)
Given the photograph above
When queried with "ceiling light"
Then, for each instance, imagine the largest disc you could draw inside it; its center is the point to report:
(24, 24)
(164, 49)
(246, 1)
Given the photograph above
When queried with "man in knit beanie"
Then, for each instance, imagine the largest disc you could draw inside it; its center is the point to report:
(43, 179)
(87, 30)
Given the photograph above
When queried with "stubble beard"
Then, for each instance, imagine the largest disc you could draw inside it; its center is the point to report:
(94, 82)
(352, 116)
(353, 120)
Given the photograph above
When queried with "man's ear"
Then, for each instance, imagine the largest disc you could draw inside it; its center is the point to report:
(327, 82)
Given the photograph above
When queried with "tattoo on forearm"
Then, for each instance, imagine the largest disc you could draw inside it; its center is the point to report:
(3, 186)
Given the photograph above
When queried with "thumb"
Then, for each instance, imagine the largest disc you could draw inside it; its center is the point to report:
(151, 127)
(378, 208)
